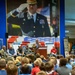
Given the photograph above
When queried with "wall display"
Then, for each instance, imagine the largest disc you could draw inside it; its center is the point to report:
(66, 47)
(45, 23)
(19, 20)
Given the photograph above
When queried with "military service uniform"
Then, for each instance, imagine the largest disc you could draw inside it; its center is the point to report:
(3, 53)
(39, 28)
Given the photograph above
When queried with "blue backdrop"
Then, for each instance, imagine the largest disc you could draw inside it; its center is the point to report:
(3, 20)
(62, 26)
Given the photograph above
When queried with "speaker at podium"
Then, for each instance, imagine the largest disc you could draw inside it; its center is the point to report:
(42, 51)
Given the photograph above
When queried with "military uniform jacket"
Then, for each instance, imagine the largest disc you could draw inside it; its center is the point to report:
(39, 28)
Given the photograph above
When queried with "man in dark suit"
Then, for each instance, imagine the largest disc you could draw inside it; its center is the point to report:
(31, 23)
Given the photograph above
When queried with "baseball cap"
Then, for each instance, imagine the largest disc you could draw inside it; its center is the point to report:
(31, 1)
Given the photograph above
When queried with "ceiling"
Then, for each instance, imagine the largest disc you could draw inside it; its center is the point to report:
(70, 12)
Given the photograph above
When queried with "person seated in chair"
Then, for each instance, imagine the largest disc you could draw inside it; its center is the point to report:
(27, 50)
(20, 51)
(11, 51)
(3, 51)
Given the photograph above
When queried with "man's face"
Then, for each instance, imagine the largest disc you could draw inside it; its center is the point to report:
(32, 8)
(4, 48)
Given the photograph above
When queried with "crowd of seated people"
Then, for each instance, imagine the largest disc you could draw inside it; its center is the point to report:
(20, 51)
(31, 64)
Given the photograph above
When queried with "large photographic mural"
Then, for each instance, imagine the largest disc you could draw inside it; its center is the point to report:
(20, 24)
(46, 23)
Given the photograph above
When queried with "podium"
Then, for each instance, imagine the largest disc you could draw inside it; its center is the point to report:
(42, 51)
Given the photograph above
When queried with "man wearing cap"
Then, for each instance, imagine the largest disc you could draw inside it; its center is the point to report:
(31, 23)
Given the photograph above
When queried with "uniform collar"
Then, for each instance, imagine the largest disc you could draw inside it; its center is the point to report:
(34, 15)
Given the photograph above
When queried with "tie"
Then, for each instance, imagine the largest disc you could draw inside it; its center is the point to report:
(32, 17)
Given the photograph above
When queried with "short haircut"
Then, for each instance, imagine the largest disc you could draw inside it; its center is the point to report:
(63, 61)
(36, 63)
(73, 72)
(41, 73)
(2, 63)
(25, 69)
(42, 66)
(11, 69)
(10, 62)
(49, 66)
(25, 60)
(68, 59)
(53, 60)
(73, 67)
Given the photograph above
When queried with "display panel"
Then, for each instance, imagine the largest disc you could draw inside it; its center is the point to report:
(43, 25)
(19, 21)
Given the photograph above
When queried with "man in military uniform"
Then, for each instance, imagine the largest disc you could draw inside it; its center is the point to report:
(27, 50)
(31, 23)
(3, 52)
